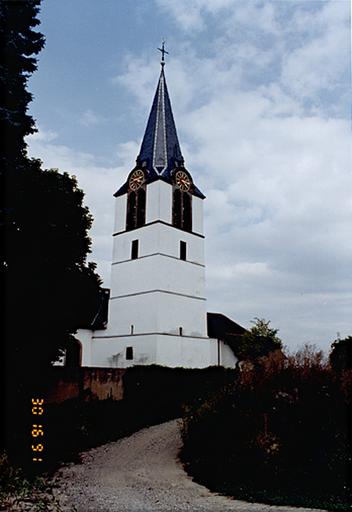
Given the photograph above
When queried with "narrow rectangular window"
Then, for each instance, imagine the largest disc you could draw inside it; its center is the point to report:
(183, 250)
(129, 353)
(134, 249)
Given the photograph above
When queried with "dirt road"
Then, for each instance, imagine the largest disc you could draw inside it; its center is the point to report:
(141, 473)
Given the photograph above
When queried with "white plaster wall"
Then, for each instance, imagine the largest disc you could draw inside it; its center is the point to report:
(176, 311)
(184, 352)
(157, 272)
(85, 337)
(157, 316)
(157, 312)
(100, 350)
(197, 215)
(120, 213)
(158, 238)
(137, 310)
(227, 357)
(111, 352)
(164, 350)
(159, 202)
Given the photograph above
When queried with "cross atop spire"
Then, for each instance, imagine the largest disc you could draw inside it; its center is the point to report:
(163, 51)
(160, 152)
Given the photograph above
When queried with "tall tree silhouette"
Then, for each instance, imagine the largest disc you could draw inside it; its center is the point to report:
(50, 289)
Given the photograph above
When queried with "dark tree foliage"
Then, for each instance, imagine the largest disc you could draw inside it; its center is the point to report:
(341, 354)
(19, 43)
(50, 289)
(258, 341)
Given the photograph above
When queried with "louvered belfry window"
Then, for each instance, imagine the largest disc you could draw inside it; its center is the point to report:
(182, 210)
(135, 209)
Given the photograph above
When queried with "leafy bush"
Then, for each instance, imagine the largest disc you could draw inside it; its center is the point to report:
(278, 434)
(259, 341)
(341, 354)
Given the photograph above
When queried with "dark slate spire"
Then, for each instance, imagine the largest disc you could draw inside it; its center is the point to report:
(160, 150)
(160, 146)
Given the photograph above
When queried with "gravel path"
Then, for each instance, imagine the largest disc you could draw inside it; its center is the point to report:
(141, 473)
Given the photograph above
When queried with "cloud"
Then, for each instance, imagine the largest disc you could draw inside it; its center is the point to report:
(272, 155)
(43, 136)
(259, 96)
(90, 118)
(190, 15)
(319, 64)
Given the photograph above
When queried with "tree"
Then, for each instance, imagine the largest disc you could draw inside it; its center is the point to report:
(19, 43)
(340, 356)
(259, 341)
(50, 288)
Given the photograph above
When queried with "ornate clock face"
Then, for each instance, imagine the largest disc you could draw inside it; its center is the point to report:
(182, 181)
(136, 180)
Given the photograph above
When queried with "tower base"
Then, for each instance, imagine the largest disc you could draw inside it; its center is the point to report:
(100, 350)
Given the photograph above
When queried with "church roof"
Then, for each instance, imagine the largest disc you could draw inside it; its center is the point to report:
(160, 151)
(222, 327)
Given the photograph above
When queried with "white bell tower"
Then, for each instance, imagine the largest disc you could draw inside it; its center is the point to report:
(157, 308)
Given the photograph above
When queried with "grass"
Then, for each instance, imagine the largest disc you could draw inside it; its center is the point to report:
(20, 493)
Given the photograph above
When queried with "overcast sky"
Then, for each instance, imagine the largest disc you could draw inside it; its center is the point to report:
(261, 97)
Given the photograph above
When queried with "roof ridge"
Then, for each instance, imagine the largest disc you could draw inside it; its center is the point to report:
(160, 148)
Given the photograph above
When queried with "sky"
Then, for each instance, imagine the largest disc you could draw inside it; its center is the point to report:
(260, 92)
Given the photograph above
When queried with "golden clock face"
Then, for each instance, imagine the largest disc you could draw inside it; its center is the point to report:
(136, 179)
(182, 181)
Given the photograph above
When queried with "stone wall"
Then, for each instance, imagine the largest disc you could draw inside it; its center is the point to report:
(85, 383)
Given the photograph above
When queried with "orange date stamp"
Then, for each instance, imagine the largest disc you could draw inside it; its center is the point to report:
(37, 429)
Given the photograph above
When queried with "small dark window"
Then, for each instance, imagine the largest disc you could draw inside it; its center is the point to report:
(129, 352)
(134, 250)
(180, 331)
(183, 250)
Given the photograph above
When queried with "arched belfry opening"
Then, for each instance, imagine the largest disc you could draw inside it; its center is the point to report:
(136, 200)
(182, 200)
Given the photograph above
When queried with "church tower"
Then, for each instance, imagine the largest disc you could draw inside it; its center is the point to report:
(157, 308)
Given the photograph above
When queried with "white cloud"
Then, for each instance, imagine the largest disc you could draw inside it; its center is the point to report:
(90, 118)
(276, 171)
(268, 149)
(190, 14)
(43, 136)
(318, 65)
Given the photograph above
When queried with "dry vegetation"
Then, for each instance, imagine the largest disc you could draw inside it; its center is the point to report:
(278, 434)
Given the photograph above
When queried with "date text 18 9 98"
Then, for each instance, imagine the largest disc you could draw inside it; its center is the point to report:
(37, 429)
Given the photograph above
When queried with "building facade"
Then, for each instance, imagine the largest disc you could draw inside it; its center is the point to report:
(157, 306)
